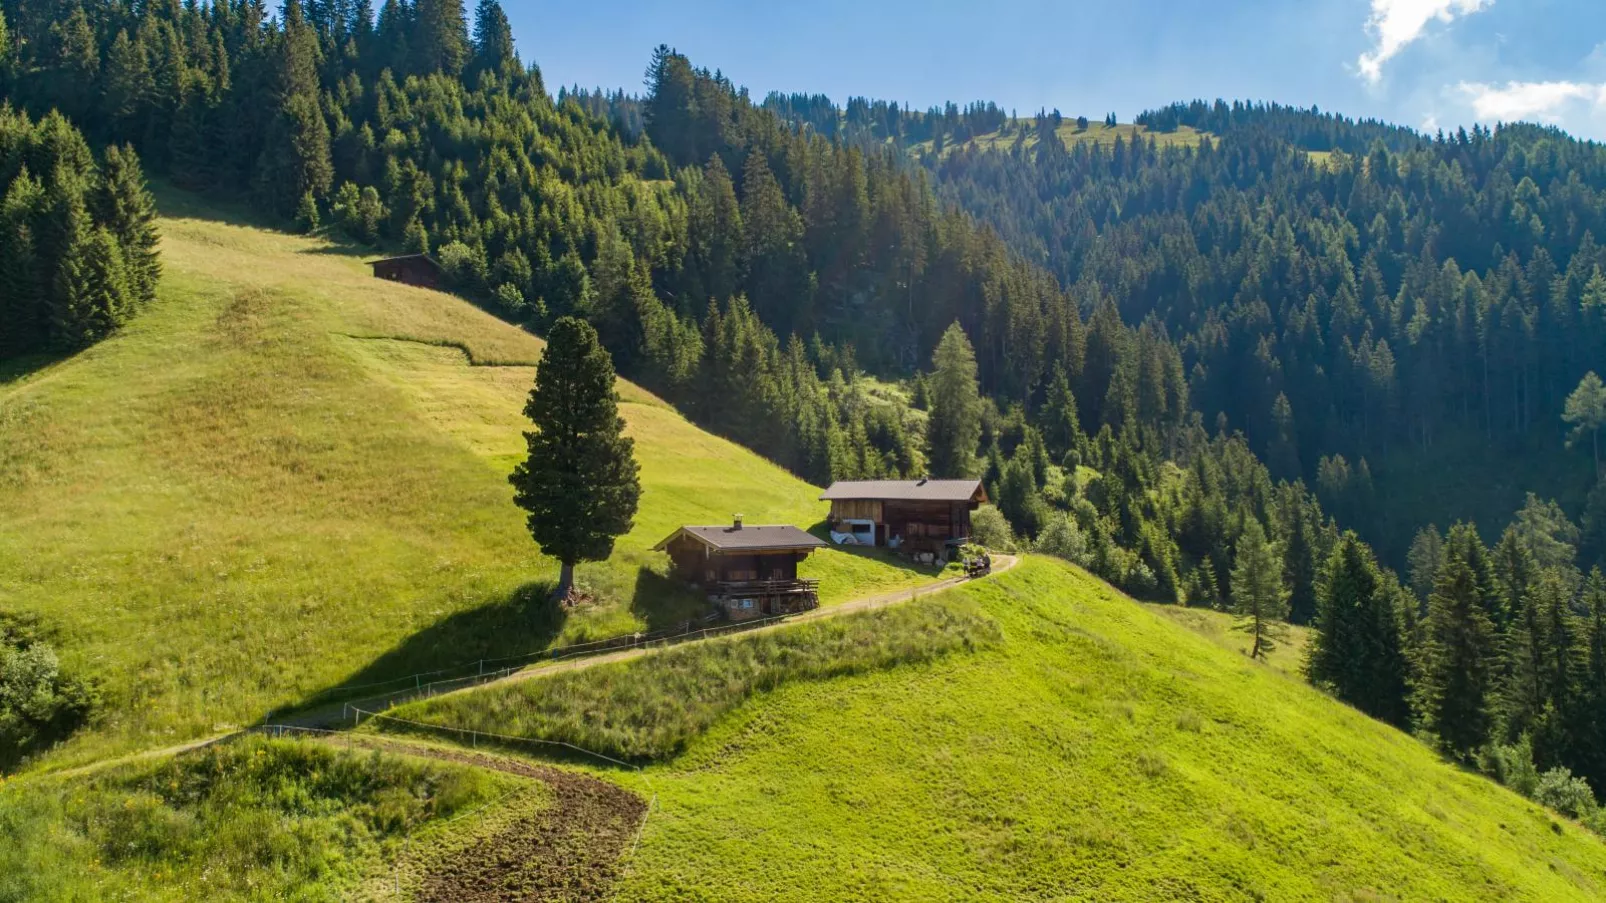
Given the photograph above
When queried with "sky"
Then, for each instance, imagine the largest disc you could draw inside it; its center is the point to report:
(1428, 64)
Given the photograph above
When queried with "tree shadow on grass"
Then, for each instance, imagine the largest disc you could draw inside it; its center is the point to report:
(664, 602)
(14, 370)
(463, 645)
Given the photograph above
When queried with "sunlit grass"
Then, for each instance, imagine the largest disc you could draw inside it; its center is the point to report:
(286, 476)
(253, 820)
(1100, 752)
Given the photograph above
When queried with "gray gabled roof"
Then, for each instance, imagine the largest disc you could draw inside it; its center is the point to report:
(907, 490)
(728, 538)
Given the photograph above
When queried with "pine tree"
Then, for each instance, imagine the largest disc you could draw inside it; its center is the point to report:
(1591, 727)
(1300, 568)
(1062, 431)
(493, 39)
(1424, 560)
(295, 154)
(1586, 413)
(778, 281)
(1356, 649)
(23, 322)
(1258, 597)
(440, 42)
(122, 204)
(953, 430)
(579, 482)
(1456, 667)
(307, 214)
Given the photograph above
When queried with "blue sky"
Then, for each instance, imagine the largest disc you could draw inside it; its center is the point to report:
(1424, 63)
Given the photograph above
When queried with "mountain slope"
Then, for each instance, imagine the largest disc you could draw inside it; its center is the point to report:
(285, 476)
(1099, 752)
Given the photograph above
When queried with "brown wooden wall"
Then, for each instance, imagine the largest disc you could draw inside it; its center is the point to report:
(856, 509)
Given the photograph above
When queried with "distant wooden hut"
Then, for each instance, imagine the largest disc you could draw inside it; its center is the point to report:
(917, 515)
(412, 269)
(749, 571)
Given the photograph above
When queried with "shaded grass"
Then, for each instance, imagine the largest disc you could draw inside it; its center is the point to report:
(256, 819)
(1100, 752)
(651, 708)
(232, 503)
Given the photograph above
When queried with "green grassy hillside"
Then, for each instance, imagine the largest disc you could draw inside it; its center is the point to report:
(1096, 133)
(286, 476)
(1090, 749)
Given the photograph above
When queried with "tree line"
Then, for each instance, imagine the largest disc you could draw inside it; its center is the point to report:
(77, 237)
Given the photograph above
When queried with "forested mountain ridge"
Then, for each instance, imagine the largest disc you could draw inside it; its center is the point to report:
(1417, 304)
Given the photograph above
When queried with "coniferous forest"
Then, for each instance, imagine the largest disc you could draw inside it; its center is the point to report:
(1148, 352)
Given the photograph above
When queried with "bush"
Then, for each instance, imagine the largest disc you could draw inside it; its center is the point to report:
(988, 527)
(1569, 795)
(1062, 538)
(1513, 766)
(39, 704)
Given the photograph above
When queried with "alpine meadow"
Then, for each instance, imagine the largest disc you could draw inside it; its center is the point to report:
(420, 484)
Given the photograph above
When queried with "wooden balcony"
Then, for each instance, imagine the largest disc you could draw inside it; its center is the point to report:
(760, 588)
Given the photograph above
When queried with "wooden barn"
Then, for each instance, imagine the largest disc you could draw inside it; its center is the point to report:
(412, 269)
(916, 515)
(749, 571)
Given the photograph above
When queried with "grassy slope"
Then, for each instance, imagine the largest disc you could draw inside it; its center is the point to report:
(1096, 132)
(253, 820)
(245, 497)
(1101, 752)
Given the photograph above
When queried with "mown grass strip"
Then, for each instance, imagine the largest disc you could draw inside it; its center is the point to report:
(651, 708)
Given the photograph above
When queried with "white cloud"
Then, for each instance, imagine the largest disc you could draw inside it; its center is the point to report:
(1430, 124)
(1547, 102)
(1396, 23)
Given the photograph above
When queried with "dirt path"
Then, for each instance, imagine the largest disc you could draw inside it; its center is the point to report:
(571, 850)
(1001, 563)
(338, 715)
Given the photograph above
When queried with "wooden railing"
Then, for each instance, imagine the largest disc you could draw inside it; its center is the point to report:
(766, 587)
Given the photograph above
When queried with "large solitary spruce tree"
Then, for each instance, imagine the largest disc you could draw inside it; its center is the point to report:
(579, 482)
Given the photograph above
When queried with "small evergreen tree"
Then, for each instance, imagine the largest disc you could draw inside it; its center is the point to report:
(954, 428)
(1258, 597)
(307, 214)
(579, 482)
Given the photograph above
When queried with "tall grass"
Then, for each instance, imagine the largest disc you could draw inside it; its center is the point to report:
(651, 708)
(256, 819)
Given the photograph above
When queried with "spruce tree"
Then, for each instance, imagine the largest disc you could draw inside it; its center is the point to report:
(579, 482)
(122, 204)
(1456, 667)
(1300, 568)
(1258, 597)
(493, 39)
(1356, 649)
(1585, 412)
(953, 430)
(440, 42)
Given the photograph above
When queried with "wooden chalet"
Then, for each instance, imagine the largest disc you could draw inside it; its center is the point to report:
(412, 269)
(917, 515)
(749, 571)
